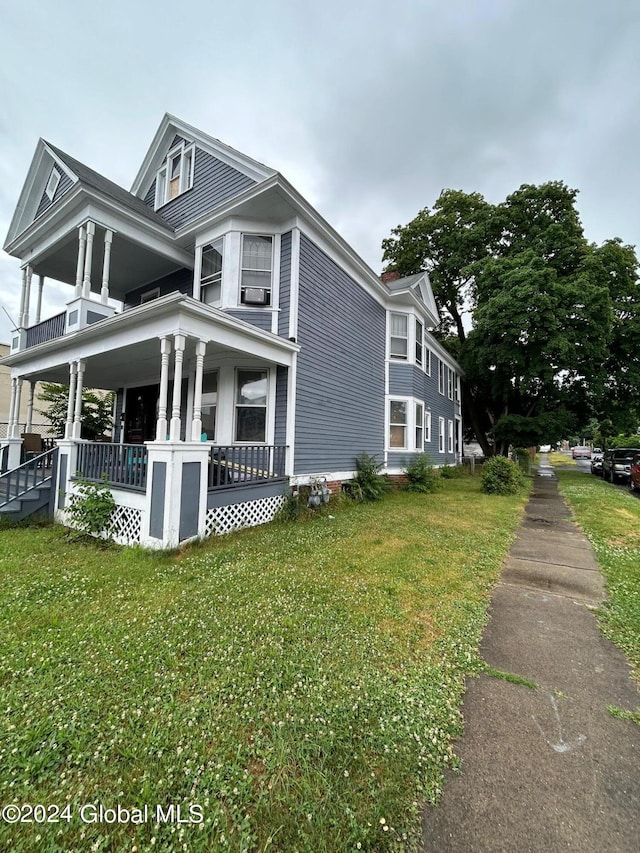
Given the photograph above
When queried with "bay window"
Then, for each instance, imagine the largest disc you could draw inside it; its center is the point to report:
(211, 273)
(419, 343)
(256, 270)
(251, 406)
(399, 336)
(175, 176)
(407, 424)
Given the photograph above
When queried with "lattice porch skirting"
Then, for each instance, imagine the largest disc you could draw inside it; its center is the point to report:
(224, 519)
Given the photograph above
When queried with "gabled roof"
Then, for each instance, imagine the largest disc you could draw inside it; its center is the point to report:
(416, 286)
(170, 126)
(90, 178)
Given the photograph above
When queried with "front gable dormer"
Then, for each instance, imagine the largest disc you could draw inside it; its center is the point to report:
(415, 290)
(187, 174)
(49, 179)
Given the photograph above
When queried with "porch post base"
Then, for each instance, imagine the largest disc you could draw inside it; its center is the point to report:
(14, 452)
(66, 469)
(176, 501)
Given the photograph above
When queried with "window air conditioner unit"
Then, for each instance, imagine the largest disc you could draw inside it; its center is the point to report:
(255, 296)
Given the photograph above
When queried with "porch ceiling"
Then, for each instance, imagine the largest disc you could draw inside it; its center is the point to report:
(131, 264)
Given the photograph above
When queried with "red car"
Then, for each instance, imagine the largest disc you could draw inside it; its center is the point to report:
(634, 473)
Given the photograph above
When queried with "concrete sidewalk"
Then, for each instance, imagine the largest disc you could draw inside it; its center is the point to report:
(548, 769)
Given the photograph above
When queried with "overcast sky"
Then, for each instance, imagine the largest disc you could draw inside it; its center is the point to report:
(369, 108)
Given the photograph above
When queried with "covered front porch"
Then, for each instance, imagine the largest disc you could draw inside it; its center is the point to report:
(202, 419)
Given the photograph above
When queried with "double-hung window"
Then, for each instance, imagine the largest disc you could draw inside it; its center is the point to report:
(427, 427)
(256, 270)
(441, 435)
(441, 369)
(399, 336)
(211, 273)
(251, 406)
(450, 437)
(398, 417)
(175, 176)
(452, 379)
(419, 343)
(419, 426)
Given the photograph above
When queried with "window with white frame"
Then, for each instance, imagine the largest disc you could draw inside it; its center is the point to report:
(256, 269)
(419, 426)
(399, 336)
(251, 406)
(211, 273)
(52, 183)
(398, 417)
(441, 368)
(441, 426)
(209, 404)
(427, 361)
(427, 427)
(450, 437)
(175, 176)
(419, 343)
(452, 379)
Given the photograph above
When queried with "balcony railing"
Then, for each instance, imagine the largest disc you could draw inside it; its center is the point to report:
(242, 465)
(46, 331)
(118, 464)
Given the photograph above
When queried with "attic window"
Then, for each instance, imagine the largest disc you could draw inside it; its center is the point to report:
(175, 176)
(52, 183)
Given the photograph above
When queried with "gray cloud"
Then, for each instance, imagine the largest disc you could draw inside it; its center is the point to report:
(370, 109)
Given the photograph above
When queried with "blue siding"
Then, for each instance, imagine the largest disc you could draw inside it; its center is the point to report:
(181, 280)
(261, 319)
(280, 436)
(285, 285)
(340, 379)
(64, 185)
(214, 182)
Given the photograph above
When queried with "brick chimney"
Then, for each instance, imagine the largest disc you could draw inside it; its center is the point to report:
(390, 275)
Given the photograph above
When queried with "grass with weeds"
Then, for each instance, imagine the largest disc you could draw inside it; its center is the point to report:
(508, 676)
(299, 683)
(610, 518)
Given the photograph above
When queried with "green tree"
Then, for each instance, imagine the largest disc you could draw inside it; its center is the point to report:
(97, 410)
(549, 344)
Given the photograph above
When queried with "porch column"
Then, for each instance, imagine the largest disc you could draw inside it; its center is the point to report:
(38, 316)
(104, 293)
(32, 389)
(161, 424)
(82, 242)
(196, 423)
(24, 320)
(174, 431)
(73, 372)
(15, 426)
(23, 296)
(88, 258)
(77, 418)
(12, 406)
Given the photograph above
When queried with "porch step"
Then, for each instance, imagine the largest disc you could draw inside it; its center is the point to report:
(28, 504)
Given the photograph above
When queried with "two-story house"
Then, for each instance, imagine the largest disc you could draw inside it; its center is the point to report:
(248, 345)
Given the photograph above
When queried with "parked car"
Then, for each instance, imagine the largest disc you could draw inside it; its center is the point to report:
(581, 452)
(596, 462)
(616, 464)
(634, 473)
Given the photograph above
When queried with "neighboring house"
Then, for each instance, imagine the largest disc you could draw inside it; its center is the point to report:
(30, 418)
(254, 346)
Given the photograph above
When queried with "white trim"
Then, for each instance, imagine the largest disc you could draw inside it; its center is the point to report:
(294, 286)
(290, 429)
(441, 435)
(410, 425)
(275, 282)
(450, 442)
(427, 426)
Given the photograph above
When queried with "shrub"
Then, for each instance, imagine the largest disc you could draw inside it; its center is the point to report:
(501, 476)
(421, 475)
(368, 484)
(91, 508)
(290, 509)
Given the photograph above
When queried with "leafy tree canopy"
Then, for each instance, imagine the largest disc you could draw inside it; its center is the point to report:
(97, 410)
(554, 330)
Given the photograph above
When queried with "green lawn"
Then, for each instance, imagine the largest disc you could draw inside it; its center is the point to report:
(610, 517)
(298, 685)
